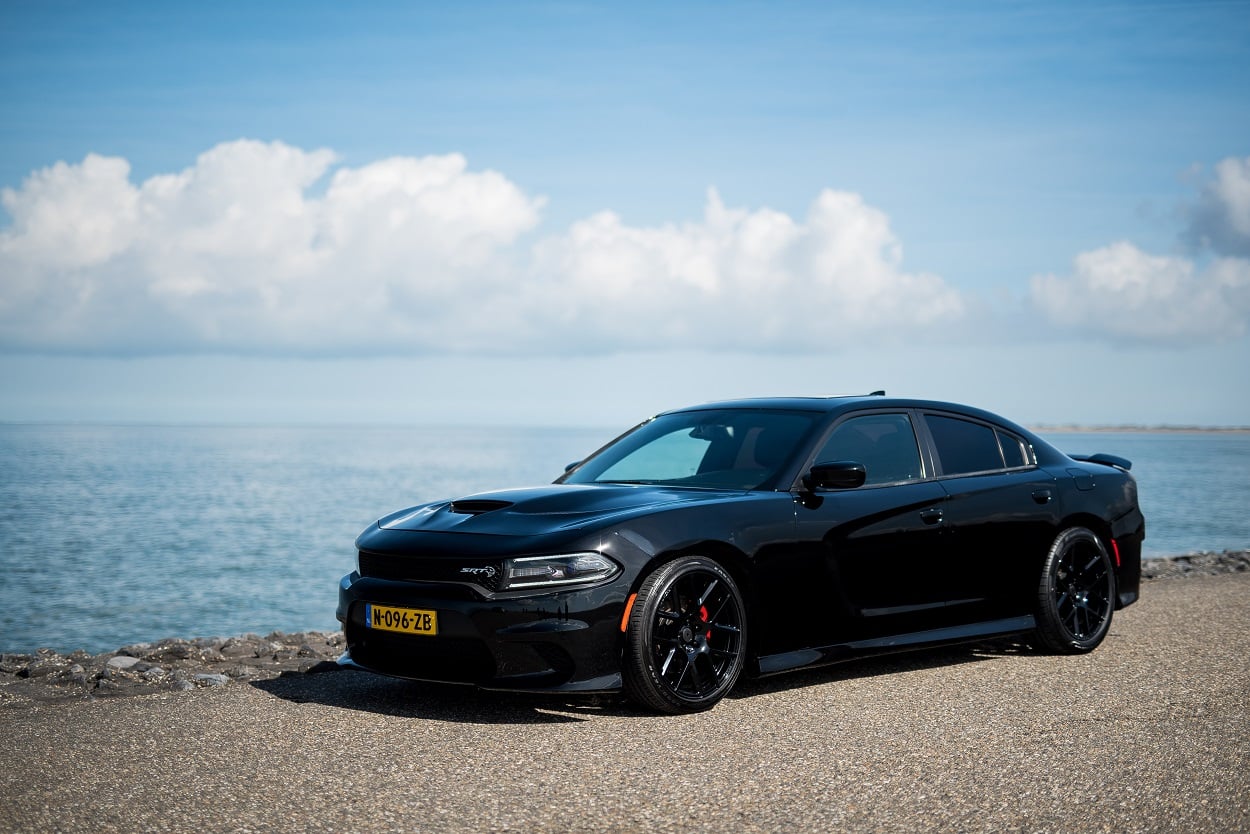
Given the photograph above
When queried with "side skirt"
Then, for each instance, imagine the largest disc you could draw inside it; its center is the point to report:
(788, 661)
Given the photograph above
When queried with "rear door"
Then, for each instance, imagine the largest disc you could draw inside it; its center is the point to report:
(1001, 513)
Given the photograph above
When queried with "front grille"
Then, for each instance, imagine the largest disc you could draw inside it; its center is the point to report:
(452, 659)
(484, 574)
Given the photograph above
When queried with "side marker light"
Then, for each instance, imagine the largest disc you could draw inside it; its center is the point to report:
(629, 606)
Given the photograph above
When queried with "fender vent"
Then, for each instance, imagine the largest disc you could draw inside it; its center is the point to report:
(472, 507)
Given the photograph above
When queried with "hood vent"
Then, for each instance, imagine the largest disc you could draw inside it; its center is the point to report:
(477, 507)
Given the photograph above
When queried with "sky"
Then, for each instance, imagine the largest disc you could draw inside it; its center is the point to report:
(580, 214)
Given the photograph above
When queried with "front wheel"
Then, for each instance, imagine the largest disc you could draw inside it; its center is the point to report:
(685, 641)
(1075, 594)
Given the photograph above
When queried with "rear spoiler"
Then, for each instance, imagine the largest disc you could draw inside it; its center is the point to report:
(1105, 460)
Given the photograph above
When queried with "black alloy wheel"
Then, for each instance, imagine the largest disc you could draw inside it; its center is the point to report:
(1076, 593)
(686, 637)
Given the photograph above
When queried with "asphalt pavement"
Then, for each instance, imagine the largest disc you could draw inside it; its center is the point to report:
(1151, 732)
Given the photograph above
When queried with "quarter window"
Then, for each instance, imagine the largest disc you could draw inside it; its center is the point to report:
(884, 443)
(1013, 450)
(963, 446)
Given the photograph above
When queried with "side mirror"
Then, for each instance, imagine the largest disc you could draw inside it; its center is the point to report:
(837, 474)
(572, 465)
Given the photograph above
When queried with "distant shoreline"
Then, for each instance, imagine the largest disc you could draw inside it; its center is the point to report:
(1040, 428)
(1137, 429)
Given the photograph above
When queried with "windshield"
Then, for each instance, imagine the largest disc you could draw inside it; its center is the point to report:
(718, 449)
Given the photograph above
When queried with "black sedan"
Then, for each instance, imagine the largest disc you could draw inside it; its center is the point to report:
(758, 536)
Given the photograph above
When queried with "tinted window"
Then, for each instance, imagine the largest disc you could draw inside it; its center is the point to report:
(884, 443)
(1013, 450)
(963, 446)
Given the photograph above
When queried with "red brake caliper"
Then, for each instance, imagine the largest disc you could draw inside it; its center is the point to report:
(703, 617)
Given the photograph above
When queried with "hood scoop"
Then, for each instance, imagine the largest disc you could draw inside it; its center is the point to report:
(477, 506)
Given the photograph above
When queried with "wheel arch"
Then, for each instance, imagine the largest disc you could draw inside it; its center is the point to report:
(1098, 526)
(733, 560)
(1125, 553)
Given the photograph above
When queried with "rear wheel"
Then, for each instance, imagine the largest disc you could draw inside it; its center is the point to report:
(686, 637)
(1075, 594)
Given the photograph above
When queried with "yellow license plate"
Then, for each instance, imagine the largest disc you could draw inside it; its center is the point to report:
(406, 620)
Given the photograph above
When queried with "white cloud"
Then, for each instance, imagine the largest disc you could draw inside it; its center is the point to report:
(738, 279)
(236, 255)
(71, 216)
(1220, 220)
(239, 253)
(1120, 293)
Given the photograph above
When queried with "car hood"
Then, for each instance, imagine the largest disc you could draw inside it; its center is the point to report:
(543, 509)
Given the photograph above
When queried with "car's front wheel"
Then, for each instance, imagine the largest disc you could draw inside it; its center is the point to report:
(1075, 594)
(685, 638)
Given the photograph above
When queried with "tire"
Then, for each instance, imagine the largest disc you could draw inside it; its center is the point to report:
(1076, 594)
(685, 642)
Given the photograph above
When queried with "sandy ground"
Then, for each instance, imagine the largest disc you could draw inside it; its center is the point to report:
(1149, 733)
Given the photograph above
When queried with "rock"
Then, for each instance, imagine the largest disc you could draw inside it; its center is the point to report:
(239, 648)
(11, 664)
(1196, 564)
(43, 667)
(171, 650)
(167, 665)
(76, 675)
(212, 680)
(310, 667)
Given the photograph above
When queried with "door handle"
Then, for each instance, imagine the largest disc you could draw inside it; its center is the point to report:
(931, 516)
(1041, 496)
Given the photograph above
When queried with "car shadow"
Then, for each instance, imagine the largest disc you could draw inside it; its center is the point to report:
(354, 689)
(346, 688)
(869, 667)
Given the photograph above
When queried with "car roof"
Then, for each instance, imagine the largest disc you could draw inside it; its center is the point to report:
(837, 403)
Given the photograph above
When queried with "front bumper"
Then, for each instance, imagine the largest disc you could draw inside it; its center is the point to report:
(562, 641)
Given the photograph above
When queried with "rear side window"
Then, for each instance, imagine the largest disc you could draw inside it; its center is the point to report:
(963, 446)
(884, 443)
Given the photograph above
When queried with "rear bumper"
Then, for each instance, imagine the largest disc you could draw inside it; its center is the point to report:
(1128, 543)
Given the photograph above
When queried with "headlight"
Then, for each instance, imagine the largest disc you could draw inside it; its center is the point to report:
(566, 569)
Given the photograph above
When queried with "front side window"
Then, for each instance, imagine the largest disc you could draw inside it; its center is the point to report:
(715, 449)
(884, 443)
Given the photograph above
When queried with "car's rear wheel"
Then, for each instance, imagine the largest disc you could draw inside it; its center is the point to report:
(1075, 594)
(686, 637)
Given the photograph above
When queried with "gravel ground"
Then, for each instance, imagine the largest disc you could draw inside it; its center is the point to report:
(1149, 733)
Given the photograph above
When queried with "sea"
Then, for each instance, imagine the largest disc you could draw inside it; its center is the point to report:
(115, 535)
